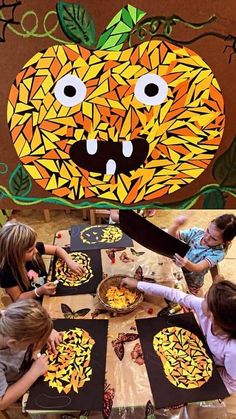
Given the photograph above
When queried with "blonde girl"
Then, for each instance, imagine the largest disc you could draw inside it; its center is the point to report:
(25, 327)
(22, 270)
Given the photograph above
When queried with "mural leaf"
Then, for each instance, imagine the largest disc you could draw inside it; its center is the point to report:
(20, 183)
(224, 169)
(76, 23)
(118, 30)
(214, 200)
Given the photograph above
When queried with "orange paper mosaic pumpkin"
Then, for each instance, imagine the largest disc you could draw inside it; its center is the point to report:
(70, 368)
(69, 278)
(185, 361)
(105, 234)
(123, 127)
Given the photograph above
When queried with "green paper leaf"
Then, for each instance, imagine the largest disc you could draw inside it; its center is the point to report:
(76, 23)
(224, 169)
(118, 30)
(112, 43)
(20, 183)
(116, 19)
(127, 17)
(136, 14)
(214, 200)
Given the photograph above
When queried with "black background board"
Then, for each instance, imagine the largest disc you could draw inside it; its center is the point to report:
(90, 396)
(166, 394)
(151, 236)
(77, 243)
(89, 287)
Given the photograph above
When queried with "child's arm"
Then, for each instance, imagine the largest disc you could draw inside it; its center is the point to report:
(230, 365)
(16, 294)
(228, 371)
(114, 214)
(190, 266)
(16, 390)
(173, 230)
(62, 254)
(172, 294)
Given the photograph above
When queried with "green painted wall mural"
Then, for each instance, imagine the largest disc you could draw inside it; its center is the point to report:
(133, 117)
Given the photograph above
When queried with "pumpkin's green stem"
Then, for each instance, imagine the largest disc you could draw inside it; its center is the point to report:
(118, 30)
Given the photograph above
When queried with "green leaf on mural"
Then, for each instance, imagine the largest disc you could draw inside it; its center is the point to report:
(76, 23)
(20, 183)
(214, 200)
(118, 30)
(224, 169)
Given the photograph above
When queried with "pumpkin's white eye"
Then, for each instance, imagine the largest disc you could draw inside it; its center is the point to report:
(70, 90)
(151, 89)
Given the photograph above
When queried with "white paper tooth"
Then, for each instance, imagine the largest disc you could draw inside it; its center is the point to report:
(91, 146)
(110, 167)
(127, 148)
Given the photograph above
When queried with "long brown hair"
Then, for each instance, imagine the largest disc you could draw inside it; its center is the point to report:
(227, 224)
(15, 240)
(26, 320)
(221, 301)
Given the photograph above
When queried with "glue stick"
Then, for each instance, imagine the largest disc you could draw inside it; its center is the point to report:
(175, 309)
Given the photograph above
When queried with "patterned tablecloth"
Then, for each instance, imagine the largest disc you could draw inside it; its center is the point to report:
(127, 388)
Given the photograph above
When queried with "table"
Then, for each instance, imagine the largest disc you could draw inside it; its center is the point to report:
(126, 379)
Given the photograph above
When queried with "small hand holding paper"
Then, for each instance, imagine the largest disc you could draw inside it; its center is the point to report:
(129, 282)
(181, 220)
(179, 261)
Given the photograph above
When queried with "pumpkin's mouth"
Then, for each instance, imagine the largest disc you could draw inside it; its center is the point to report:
(108, 157)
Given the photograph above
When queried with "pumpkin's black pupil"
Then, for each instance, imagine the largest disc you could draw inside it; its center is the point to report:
(69, 91)
(151, 89)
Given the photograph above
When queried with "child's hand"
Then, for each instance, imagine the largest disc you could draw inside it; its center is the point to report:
(47, 289)
(179, 261)
(181, 220)
(114, 214)
(149, 212)
(54, 339)
(75, 267)
(129, 282)
(40, 366)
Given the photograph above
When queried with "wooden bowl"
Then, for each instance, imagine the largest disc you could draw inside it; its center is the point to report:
(115, 280)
